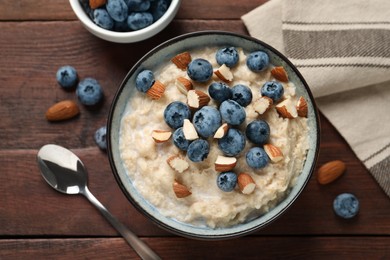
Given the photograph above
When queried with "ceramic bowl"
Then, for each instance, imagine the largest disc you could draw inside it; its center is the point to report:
(162, 54)
(125, 37)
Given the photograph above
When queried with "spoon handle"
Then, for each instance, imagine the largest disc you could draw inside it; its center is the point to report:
(137, 244)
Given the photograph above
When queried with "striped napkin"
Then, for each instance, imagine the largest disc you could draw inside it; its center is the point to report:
(342, 48)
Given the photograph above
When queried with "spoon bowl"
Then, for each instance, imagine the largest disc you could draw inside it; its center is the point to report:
(65, 172)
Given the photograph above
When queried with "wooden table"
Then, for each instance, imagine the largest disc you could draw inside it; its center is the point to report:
(36, 222)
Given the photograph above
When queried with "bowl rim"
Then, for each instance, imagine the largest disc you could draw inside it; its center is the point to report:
(125, 37)
(212, 236)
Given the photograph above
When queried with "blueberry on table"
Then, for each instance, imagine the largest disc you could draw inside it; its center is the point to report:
(100, 137)
(200, 70)
(227, 56)
(257, 61)
(232, 143)
(158, 8)
(232, 112)
(138, 5)
(258, 131)
(144, 80)
(175, 113)
(219, 91)
(346, 205)
(137, 21)
(257, 158)
(117, 9)
(103, 19)
(67, 76)
(242, 94)
(198, 150)
(272, 89)
(179, 139)
(89, 92)
(227, 181)
(206, 121)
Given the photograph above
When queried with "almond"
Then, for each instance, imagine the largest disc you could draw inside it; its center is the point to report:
(224, 164)
(177, 163)
(273, 152)
(221, 131)
(182, 60)
(183, 85)
(262, 104)
(245, 183)
(330, 171)
(96, 3)
(224, 73)
(161, 136)
(156, 91)
(180, 190)
(302, 107)
(197, 99)
(287, 109)
(189, 130)
(62, 110)
(280, 74)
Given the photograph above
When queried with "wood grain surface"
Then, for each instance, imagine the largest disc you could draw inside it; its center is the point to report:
(36, 38)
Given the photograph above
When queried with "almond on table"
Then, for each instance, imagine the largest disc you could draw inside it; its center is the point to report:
(62, 110)
(330, 171)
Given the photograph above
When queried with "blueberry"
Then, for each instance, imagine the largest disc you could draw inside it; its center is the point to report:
(257, 158)
(346, 205)
(175, 113)
(103, 19)
(258, 131)
(242, 94)
(67, 77)
(137, 21)
(138, 5)
(117, 9)
(144, 80)
(207, 120)
(227, 181)
(219, 91)
(200, 70)
(89, 92)
(87, 8)
(232, 143)
(198, 150)
(100, 137)
(227, 56)
(158, 8)
(179, 140)
(121, 26)
(232, 112)
(257, 61)
(273, 90)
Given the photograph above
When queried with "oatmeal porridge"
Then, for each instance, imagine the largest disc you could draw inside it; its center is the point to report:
(204, 177)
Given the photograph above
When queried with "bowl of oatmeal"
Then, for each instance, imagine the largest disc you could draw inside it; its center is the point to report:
(213, 135)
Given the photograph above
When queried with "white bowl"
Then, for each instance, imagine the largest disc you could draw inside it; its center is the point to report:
(125, 37)
(163, 53)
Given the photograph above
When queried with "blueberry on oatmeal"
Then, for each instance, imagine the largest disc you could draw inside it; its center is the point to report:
(175, 113)
(198, 150)
(179, 139)
(219, 91)
(257, 61)
(227, 56)
(200, 70)
(232, 143)
(242, 94)
(257, 158)
(144, 80)
(232, 112)
(272, 89)
(206, 121)
(258, 132)
(227, 181)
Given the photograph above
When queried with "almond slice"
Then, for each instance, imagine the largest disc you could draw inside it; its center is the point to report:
(180, 190)
(183, 85)
(189, 130)
(197, 99)
(156, 91)
(62, 110)
(245, 183)
(330, 171)
(280, 74)
(221, 131)
(287, 109)
(224, 164)
(224, 73)
(182, 60)
(302, 107)
(262, 104)
(161, 136)
(177, 163)
(273, 152)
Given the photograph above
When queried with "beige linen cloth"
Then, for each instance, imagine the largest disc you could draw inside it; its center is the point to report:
(342, 48)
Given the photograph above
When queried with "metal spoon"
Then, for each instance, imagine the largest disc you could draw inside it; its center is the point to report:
(65, 172)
